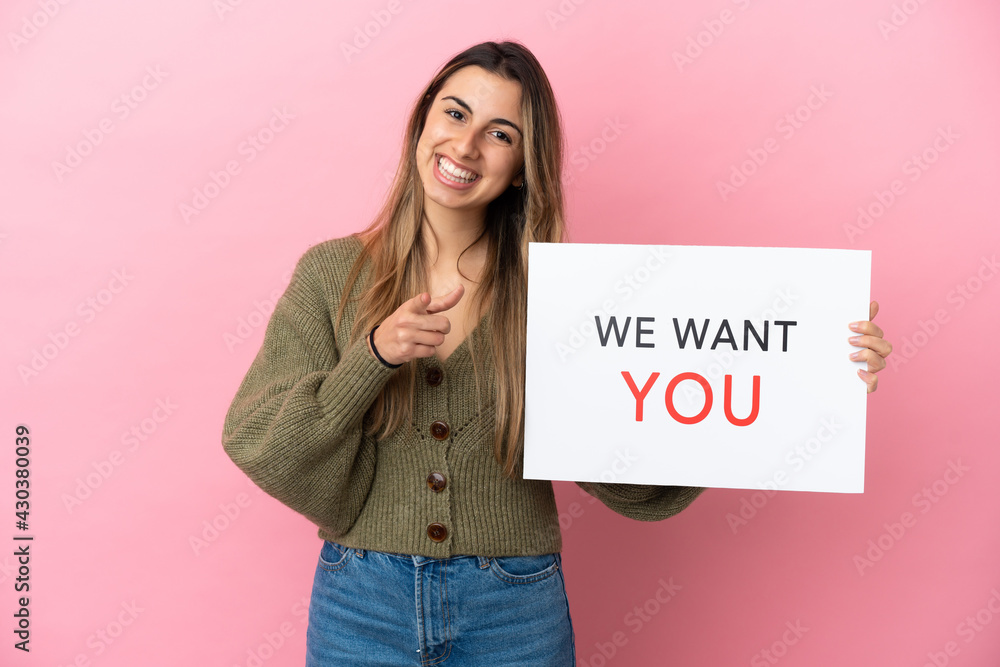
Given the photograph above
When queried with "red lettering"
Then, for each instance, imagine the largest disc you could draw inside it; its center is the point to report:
(669, 398)
(639, 395)
(729, 402)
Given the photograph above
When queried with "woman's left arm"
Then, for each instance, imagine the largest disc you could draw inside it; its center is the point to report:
(643, 502)
(874, 348)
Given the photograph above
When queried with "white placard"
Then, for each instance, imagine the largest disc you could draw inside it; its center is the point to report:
(695, 315)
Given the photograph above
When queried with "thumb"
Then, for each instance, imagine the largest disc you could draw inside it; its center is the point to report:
(447, 301)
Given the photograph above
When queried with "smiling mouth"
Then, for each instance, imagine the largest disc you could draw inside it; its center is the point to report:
(453, 173)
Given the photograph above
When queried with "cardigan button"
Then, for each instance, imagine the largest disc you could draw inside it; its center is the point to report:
(437, 532)
(434, 376)
(440, 430)
(436, 481)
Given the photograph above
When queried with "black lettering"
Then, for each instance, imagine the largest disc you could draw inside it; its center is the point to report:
(619, 336)
(784, 333)
(729, 337)
(639, 331)
(748, 329)
(690, 329)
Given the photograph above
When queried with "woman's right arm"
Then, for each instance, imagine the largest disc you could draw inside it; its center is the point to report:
(295, 425)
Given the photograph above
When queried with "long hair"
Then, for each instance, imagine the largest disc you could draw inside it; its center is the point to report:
(516, 217)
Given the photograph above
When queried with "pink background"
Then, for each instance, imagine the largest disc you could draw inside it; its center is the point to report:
(658, 137)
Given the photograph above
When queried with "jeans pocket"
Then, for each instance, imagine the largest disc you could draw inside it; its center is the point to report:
(333, 556)
(524, 569)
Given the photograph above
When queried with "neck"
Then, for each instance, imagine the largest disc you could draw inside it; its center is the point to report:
(447, 233)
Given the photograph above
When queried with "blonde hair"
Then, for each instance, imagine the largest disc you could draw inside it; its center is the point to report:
(515, 218)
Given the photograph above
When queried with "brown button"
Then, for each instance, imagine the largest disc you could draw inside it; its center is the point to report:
(437, 532)
(436, 481)
(434, 376)
(440, 430)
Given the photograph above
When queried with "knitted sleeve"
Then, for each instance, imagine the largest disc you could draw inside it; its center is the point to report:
(295, 425)
(643, 502)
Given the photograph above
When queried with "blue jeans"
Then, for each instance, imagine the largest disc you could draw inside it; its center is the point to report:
(377, 608)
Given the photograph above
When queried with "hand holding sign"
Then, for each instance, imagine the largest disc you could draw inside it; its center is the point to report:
(876, 348)
(415, 329)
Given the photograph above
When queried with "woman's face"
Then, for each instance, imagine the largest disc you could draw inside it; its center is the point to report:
(471, 146)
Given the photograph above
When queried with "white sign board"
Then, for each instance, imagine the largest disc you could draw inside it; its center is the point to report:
(695, 366)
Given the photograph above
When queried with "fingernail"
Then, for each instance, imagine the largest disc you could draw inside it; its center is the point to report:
(855, 326)
(856, 355)
(854, 340)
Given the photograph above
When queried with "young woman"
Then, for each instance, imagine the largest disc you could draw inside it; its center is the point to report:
(387, 401)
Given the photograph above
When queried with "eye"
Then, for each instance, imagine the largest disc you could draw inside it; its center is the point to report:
(502, 136)
(460, 115)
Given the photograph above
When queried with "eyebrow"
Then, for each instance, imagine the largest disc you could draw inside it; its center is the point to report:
(498, 121)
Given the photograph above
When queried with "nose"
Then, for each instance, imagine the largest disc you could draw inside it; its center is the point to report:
(466, 143)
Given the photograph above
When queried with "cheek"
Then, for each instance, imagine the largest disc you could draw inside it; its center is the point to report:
(512, 165)
(423, 145)
(431, 136)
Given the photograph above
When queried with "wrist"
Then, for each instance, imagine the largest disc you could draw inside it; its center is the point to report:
(374, 350)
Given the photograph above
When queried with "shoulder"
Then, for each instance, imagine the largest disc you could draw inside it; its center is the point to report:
(322, 272)
(329, 262)
(334, 253)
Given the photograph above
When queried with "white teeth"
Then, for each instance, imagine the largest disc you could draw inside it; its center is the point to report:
(453, 173)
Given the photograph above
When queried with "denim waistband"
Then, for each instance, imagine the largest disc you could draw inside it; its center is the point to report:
(418, 560)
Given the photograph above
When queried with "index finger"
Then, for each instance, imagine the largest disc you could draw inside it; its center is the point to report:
(418, 304)
(868, 327)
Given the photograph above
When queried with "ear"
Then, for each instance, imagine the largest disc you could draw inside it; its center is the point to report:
(518, 178)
